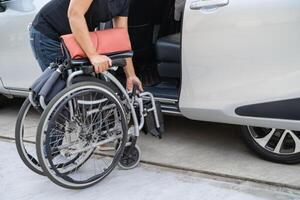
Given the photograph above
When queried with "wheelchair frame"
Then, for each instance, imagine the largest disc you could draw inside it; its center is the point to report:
(86, 68)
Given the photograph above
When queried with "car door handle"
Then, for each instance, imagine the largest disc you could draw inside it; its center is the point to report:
(197, 5)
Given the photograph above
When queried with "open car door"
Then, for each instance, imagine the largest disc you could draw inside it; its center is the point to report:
(241, 63)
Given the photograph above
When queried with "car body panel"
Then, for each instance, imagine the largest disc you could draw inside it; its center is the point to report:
(244, 53)
(240, 54)
(17, 63)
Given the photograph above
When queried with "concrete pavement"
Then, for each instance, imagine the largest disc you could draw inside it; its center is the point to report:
(196, 146)
(143, 183)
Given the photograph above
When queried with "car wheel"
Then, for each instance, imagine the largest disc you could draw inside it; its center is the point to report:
(276, 145)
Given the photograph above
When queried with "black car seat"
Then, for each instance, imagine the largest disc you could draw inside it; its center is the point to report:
(168, 53)
(143, 16)
(168, 56)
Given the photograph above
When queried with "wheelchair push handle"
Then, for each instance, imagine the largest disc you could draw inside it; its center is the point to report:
(121, 62)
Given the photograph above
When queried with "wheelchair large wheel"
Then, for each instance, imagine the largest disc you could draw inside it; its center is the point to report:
(26, 128)
(76, 127)
(25, 136)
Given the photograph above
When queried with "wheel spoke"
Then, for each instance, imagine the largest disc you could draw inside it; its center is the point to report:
(99, 122)
(280, 142)
(264, 141)
(296, 140)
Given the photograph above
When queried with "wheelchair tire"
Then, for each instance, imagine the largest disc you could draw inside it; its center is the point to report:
(130, 161)
(28, 157)
(30, 160)
(87, 137)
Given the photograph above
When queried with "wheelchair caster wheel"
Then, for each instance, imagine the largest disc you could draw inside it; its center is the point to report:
(130, 160)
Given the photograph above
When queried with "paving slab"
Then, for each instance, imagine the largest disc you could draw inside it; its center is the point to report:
(197, 146)
(144, 182)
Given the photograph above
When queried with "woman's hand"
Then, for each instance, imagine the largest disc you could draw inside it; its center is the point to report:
(100, 62)
(134, 80)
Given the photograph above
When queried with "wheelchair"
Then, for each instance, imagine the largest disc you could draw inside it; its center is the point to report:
(89, 123)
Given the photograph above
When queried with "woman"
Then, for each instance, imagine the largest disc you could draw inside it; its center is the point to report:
(60, 17)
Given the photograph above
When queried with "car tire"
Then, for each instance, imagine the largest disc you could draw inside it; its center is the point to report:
(275, 145)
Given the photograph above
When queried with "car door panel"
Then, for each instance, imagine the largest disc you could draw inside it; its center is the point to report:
(17, 63)
(242, 53)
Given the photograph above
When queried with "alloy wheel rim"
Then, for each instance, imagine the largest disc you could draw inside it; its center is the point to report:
(277, 141)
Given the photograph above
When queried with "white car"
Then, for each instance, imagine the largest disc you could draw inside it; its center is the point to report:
(231, 61)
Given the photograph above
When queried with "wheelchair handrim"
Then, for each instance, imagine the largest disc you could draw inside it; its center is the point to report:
(45, 163)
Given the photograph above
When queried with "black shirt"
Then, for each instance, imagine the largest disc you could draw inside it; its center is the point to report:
(52, 20)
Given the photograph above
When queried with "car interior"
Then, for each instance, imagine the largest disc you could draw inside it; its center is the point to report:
(156, 41)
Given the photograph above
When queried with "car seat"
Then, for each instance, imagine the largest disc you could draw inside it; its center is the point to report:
(168, 54)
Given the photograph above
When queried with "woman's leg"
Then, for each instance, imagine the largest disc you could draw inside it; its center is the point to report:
(44, 49)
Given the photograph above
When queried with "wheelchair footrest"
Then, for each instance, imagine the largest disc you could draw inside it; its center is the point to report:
(150, 121)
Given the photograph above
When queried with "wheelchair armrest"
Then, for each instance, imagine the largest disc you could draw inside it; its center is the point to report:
(85, 61)
(77, 62)
(128, 54)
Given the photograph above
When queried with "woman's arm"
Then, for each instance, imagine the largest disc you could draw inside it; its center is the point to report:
(76, 12)
(122, 22)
